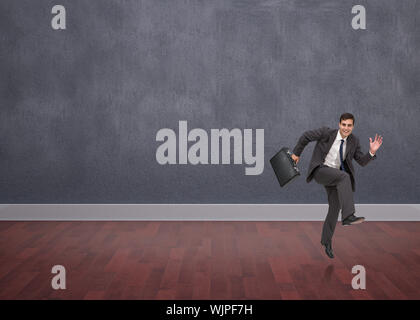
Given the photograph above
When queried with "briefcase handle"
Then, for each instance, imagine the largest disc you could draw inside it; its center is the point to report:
(289, 155)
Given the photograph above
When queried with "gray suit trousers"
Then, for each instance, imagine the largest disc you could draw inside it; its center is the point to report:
(340, 196)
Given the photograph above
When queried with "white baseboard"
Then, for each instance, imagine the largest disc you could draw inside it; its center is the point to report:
(191, 212)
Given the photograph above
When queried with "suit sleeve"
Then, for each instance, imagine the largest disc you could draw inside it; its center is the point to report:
(361, 158)
(308, 136)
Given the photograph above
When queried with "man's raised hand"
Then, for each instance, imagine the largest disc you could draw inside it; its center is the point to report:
(375, 144)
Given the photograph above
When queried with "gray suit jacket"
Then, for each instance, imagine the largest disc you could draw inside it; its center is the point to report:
(324, 138)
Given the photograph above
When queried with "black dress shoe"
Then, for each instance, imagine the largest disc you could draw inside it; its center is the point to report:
(329, 251)
(352, 219)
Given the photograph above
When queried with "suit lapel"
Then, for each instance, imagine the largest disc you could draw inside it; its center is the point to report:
(331, 139)
(349, 145)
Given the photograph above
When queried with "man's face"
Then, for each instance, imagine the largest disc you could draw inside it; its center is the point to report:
(346, 127)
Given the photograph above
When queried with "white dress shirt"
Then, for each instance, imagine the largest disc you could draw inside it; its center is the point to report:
(333, 157)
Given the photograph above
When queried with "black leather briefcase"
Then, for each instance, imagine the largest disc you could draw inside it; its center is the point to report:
(284, 167)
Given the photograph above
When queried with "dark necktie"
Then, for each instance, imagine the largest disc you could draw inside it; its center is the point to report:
(341, 156)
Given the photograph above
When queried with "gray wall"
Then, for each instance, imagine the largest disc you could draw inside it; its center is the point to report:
(80, 108)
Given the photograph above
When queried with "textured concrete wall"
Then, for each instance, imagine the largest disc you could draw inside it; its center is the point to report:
(80, 108)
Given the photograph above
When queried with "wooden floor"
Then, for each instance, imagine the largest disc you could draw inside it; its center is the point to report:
(207, 260)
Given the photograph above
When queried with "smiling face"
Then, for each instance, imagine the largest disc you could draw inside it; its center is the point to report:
(346, 127)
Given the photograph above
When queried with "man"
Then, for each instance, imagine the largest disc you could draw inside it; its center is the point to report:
(331, 166)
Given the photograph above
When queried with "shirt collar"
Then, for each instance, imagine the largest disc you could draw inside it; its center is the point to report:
(338, 137)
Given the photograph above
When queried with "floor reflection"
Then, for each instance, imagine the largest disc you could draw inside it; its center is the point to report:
(328, 273)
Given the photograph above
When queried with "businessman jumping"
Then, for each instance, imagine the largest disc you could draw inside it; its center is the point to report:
(331, 166)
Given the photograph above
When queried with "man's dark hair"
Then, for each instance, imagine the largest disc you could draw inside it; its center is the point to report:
(346, 116)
